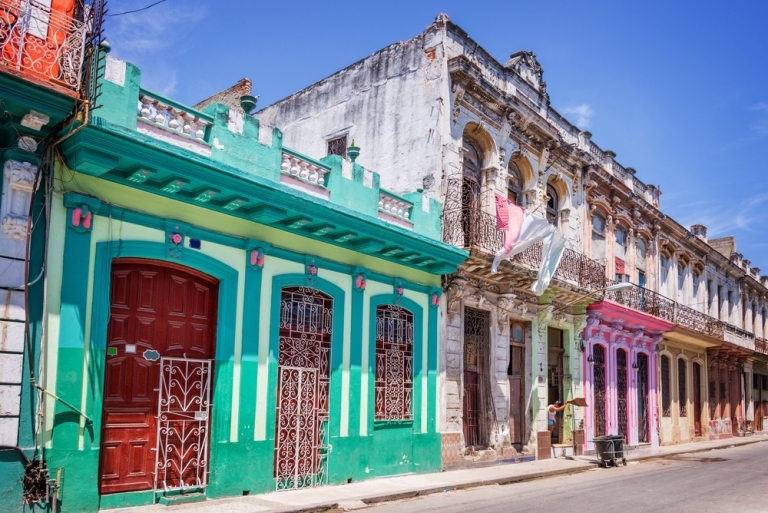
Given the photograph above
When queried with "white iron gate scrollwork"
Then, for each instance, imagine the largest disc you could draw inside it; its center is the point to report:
(394, 363)
(303, 385)
(183, 419)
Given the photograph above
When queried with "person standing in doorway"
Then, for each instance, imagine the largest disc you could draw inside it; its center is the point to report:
(551, 412)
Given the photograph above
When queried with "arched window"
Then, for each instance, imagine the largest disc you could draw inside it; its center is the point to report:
(621, 236)
(666, 397)
(664, 268)
(472, 160)
(394, 363)
(680, 276)
(598, 224)
(640, 261)
(514, 184)
(552, 204)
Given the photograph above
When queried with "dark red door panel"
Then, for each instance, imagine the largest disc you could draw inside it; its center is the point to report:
(153, 306)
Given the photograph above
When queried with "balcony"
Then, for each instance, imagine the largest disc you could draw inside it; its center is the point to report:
(41, 44)
(761, 345)
(653, 303)
(474, 229)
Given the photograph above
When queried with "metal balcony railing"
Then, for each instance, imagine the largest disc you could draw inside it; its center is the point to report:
(474, 229)
(41, 42)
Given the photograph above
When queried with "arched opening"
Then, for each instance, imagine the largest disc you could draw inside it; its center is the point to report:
(598, 379)
(303, 388)
(471, 203)
(666, 393)
(643, 400)
(641, 260)
(682, 386)
(161, 333)
(697, 398)
(622, 393)
(514, 184)
(394, 363)
(553, 205)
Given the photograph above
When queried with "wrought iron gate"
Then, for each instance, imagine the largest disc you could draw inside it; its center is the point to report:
(183, 419)
(643, 413)
(598, 353)
(303, 383)
(621, 390)
(476, 334)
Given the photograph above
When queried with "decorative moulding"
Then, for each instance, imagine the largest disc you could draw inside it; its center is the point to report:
(18, 181)
(34, 120)
(255, 253)
(310, 269)
(175, 233)
(360, 278)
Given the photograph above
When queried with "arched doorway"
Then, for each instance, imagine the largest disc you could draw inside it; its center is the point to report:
(622, 393)
(598, 380)
(303, 387)
(643, 400)
(157, 379)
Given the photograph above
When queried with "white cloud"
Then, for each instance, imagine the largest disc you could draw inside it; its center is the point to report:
(584, 113)
(745, 215)
(152, 39)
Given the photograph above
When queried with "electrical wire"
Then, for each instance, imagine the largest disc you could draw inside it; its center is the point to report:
(137, 10)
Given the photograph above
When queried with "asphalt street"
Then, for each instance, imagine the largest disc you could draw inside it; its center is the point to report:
(726, 480)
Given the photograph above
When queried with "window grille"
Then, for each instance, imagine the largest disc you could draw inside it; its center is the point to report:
(666, 399)
(682, 393)
(394, 363)
(338, 146)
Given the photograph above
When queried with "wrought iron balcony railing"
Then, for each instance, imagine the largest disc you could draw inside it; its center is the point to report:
(473, 228)
(43, 43)
(646, 301)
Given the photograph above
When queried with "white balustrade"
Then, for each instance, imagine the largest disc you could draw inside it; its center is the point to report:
(303, 170)
(178, 120)
(394, 206)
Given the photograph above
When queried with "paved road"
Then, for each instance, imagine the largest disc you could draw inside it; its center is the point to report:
(717, 481)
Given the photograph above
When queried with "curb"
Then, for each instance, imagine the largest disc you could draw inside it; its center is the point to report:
(586, 465)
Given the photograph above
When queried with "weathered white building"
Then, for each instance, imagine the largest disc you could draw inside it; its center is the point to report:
(437, 112)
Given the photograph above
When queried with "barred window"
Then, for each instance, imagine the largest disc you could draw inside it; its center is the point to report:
(666, 399)
(338, 146)
(682, 394)
(394, 363)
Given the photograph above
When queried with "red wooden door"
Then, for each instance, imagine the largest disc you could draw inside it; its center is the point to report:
(516, 415)
(154, 307)
(697, 398)
(472, 410)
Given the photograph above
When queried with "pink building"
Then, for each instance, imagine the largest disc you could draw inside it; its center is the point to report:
(620, 365)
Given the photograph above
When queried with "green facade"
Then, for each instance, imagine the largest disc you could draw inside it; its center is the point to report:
(123, 171)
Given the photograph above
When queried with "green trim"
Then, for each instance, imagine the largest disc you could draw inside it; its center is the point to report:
(249, 357)
(71, 343)
(418, 330)
(193, 232)
(432, 400)
(356, 354)
(109, 151)
(72, 326)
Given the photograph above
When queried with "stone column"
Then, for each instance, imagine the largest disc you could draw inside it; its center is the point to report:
(539, 357)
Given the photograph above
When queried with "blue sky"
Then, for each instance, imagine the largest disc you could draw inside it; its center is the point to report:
(679, 90)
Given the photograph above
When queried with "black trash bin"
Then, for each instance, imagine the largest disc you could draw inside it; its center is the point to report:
(618, 446)
(604, 448)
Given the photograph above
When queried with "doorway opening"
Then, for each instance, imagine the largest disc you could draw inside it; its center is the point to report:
(476, 381)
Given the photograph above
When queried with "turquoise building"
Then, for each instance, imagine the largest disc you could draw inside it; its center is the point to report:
(225, 315)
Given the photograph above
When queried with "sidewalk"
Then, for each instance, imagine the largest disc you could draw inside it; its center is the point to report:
(358, 495)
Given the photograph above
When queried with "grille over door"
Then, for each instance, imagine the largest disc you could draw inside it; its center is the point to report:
(303, 385)
(598, 353)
